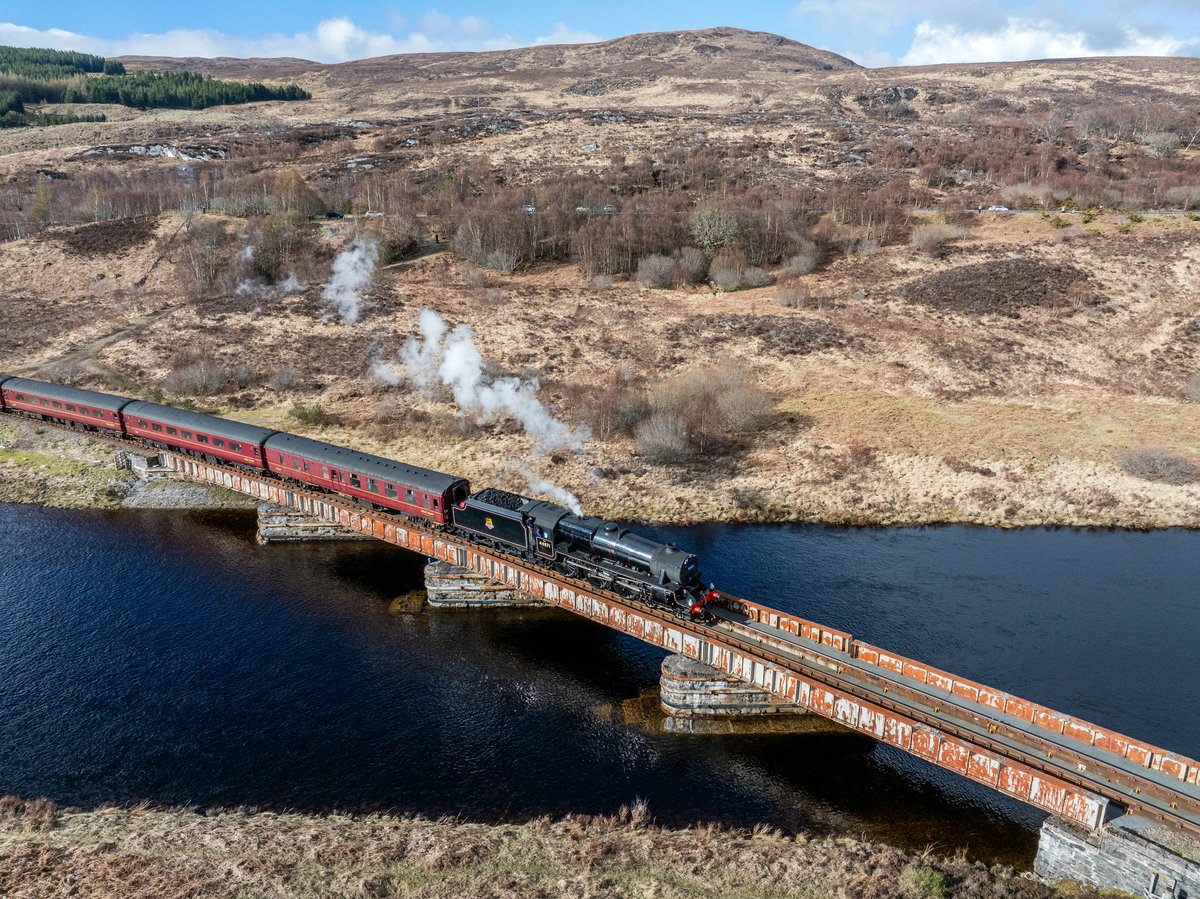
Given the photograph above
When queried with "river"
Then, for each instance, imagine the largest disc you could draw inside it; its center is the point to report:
(165, 657)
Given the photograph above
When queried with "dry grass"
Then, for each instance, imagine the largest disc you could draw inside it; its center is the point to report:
(140, 852)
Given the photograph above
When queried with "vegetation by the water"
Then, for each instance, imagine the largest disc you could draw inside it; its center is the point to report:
(142, 852)
(30, 76)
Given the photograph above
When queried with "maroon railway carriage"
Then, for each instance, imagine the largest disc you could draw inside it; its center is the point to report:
(86, 409)
(381, 482)
(197, 434)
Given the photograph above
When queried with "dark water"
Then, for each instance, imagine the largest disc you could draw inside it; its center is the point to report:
(165, 657)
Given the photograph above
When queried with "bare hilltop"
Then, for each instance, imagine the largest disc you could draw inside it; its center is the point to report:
(757, 281)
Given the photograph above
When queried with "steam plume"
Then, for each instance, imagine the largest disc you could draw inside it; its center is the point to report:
(540, 487)
(451, 359)
(351, 275)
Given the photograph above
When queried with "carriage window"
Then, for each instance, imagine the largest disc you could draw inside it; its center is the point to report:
(408, 496)
(325, 471)
(83, 410)
(44, 402)
(202, 438)
(156, 428)
(306, 468)
(435, 503)
(425, 501)
(71, 408)
(186, 435)
(218, 443)
(172, 432)
(372, 486)
(236, 447)
(20, 396)
(391, 491)
(335, 475)
(354, 481)
(296, 462)
(97, 413)
(142, 424)
(57, 404)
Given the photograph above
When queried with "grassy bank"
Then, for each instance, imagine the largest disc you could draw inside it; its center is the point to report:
(52, 468)
(173, 853)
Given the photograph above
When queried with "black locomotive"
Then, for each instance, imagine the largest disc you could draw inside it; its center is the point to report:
(605, 554)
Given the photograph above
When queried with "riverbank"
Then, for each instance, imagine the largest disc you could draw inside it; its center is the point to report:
(145, 852)
(50, 467)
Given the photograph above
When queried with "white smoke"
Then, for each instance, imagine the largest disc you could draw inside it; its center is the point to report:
(289, 285)
(247, 254)
(451, 359)
(352, 272)
(540, 487)
(385, 373)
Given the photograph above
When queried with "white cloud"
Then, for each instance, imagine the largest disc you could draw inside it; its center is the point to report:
(1020, 39)
(333, 40)
(564, 35)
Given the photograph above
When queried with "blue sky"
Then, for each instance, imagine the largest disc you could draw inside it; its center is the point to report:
(872, 32)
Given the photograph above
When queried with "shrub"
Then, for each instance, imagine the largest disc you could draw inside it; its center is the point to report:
(931, 239)
(921, 882)
(1158, 465)
(202, 378)
(806, 258)
(663, 439)
(310, 414)
(714, 227)
(285, 377)
(728, 270)
(756, 277)
(242, 375)
(472, 276)
(796, 296)
(744, 409)
(656, 271)
(693, 265)
(501, 261)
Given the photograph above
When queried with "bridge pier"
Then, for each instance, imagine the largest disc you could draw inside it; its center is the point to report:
(451, 587)
(277, 525)
(699, 699)
(145, 466)
(1128, 854)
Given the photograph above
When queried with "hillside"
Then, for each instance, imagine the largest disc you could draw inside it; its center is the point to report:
(766, 252)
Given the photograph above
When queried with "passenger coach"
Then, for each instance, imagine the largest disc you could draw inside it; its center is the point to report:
(382, 482)
(197, 434)
(87, 409)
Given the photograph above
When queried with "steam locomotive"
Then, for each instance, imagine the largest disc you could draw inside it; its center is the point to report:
(607, 555)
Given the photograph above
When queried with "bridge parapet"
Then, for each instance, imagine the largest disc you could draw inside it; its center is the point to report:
(916, 708)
